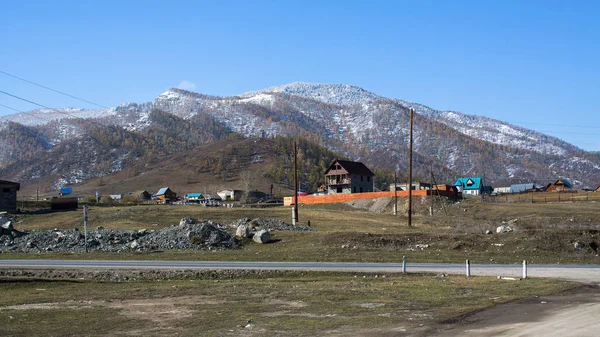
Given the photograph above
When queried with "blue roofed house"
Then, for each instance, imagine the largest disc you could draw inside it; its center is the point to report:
(472, 186)
(66, 191)
(193, 197)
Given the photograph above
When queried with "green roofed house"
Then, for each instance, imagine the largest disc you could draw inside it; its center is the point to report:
(469, 185)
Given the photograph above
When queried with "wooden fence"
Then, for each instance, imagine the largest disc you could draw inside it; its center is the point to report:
(545, 197)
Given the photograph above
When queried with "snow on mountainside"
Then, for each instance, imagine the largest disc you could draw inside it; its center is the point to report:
(483, 128)
(348, 119)
(338, 94)
(43, 116)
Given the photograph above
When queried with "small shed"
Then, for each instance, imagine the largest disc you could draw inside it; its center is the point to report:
(8, 195)
(165, 195)
(230, 194)
(142, 195)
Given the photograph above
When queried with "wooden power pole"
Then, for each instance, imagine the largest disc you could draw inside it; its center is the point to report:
(395, 193)
(295, 182)
(410, 153)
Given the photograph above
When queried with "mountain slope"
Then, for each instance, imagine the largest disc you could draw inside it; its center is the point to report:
(357, 123)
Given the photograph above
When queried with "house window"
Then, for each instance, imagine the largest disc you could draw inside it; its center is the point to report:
(361, 178)
(368, 179)
(339, 190)
(354, 189)
(6, 190)
(361, 190)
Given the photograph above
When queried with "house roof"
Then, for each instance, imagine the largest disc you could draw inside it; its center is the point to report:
(469, 183)
(162, 191)
(564, 182)
(6, 182)
(194, 195)
(353, 167)
(518, 188)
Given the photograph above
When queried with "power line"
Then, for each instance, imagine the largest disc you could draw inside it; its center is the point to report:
(57, 91)
(58, 111)
(38, 104)
(26, 113)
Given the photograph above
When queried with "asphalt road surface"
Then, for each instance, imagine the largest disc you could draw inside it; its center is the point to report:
(580, 273)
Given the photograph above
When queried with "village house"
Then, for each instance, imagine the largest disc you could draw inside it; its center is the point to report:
(502, 190)
(472, 186)
(233, 195)
(193, 197)
(142, 195)
(8, 195)
(528, 187)
(559, 186)
(165, 195)
(345, 176)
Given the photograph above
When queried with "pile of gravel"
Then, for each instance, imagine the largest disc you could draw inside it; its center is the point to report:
(189, 234)
(268, 224)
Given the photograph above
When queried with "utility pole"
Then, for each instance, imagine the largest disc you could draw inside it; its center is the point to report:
(431, 189)
(410, 153)
(295, 183)
(395, 194)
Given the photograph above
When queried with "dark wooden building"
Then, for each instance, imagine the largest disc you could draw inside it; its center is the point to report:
(166, 196)
(8, 195)
(345, 176)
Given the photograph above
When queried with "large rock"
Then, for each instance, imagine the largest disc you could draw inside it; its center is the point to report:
(243, 231)
(6, 224)
(504, 229)
(578, 245)
(262, 236)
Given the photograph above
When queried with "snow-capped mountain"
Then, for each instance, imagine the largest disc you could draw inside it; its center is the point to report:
(348, 119)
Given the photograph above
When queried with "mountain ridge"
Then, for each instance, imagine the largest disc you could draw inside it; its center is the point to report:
(357, 123)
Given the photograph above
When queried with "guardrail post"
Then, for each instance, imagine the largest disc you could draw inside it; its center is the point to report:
(524, 269)
(468, 265)
(404, 264)
(293, 216)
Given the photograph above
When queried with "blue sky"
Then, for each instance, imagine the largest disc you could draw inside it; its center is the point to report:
(531, 63)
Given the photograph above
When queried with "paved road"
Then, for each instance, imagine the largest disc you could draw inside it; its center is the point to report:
(580, 273)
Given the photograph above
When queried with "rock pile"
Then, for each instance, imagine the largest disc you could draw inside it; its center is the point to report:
(189, 234)
(267, 223)
(259, 230)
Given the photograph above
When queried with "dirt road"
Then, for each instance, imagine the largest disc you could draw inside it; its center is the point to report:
(571, 314)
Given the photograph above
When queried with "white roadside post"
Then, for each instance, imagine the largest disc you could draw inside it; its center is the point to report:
(468, 266)
(404, 264)
(524, 269)
(85, 220)
(293, 216)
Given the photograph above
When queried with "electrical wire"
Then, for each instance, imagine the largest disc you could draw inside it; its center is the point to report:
(48, 88)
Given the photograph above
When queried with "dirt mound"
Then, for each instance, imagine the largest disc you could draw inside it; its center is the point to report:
(385, 205)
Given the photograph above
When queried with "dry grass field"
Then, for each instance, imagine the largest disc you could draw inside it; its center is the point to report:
(255, 304)
(544, 233)
(297, 303)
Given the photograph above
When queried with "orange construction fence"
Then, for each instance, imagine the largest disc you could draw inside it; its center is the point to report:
(333, 198)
